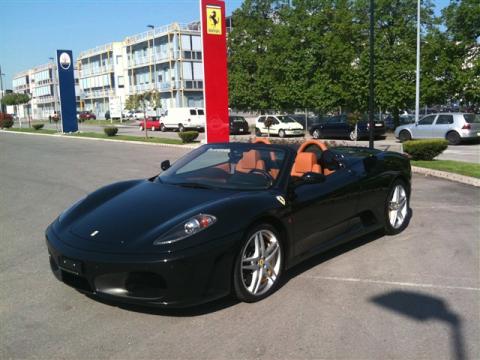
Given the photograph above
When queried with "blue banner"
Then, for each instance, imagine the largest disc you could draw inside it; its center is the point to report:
(66, 84)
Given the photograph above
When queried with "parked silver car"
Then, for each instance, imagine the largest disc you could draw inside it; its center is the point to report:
(454, 127)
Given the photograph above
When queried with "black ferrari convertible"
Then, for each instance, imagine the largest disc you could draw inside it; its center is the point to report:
(226, 218)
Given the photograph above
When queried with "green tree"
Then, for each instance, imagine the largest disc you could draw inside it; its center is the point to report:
(15, 99)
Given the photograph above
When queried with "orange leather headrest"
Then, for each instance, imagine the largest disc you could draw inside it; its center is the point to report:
(304, 162)
(249, 159)
(319, 143)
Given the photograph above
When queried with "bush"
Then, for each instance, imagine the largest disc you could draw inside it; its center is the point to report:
(188, 136)
(111, 130)
(6, 121)
(425, 149)
(37, 126)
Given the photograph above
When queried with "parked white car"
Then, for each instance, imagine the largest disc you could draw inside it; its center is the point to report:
(282, 126)
(453, 127)
(183, 118)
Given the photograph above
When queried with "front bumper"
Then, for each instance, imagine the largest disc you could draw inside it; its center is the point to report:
(295, 132)
(189, 277)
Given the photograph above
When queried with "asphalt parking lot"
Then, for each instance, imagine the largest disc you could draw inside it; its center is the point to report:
(411, 296)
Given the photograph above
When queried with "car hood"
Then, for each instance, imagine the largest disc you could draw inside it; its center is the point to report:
(293, 126)
(136, 215)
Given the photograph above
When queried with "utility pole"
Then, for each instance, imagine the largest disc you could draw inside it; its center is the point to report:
(2, 106)
(154, 64)
(371, 102)
(417, 83)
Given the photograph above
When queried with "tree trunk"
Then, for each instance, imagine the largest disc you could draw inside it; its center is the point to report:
(396, 118)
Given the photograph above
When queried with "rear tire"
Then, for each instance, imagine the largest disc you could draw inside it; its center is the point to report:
(397, 208)
(352, 135)
(259, 264)
(181, 128)
(453, 138)
(163, 128)
(317, 134)
(404, 136)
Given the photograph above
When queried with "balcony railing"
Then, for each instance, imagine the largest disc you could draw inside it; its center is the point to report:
(84, 72)
(96, 50)
(162, 30)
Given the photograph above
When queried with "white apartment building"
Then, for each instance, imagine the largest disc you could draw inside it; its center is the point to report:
(41, 84)
(167, 59)
(102, 77)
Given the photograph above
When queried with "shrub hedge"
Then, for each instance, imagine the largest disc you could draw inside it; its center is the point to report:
(6, 121)
(188, 136)
(110, 130)
(425, 149)
(37, 126)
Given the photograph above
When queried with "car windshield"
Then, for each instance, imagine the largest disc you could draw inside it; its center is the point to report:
(472, 118)
(237, 119)
(227, 166)
(286, 119)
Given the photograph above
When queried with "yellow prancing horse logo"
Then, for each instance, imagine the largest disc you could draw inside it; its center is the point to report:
(214, 20)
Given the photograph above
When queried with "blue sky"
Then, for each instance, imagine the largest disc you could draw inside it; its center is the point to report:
(31, 30)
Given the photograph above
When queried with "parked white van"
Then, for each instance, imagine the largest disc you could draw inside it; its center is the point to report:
(183, 118)
(282, 126)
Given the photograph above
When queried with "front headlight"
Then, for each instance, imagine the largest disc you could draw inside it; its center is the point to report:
(188, 228)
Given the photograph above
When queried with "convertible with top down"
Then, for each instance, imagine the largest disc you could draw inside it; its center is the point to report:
(227, 218)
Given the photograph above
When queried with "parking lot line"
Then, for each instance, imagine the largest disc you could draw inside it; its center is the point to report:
(386, 282)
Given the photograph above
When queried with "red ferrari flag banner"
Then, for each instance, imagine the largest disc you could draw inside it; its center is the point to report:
(215, 87)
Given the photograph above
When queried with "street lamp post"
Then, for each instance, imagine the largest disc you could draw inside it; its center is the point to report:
(417, 80)
(154, 63)
(371, 99)
(2, 107)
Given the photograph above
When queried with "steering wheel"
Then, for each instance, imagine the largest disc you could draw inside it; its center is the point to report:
(264, 173)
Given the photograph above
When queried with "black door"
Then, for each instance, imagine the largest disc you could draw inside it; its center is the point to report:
(323, 212)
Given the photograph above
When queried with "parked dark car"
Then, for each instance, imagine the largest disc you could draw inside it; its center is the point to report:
(404, 119)
(300, 118)
(86, 115)
(338, 126)
(238, 125)
(227, 217)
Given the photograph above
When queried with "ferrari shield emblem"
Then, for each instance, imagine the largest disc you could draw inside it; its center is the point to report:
(281, 200)
(214, 20)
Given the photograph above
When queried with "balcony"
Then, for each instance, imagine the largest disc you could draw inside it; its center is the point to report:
(161, 31)
(85, 72)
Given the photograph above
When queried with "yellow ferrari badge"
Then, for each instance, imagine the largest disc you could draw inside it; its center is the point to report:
(214, 20)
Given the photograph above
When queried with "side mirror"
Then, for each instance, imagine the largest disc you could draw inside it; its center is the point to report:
(313, 178)
(164, 165)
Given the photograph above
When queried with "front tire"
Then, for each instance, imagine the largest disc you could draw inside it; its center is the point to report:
(281, 133)
(181, 128)
(259, 264)
(316, 134)
(453, 138)
(352, 135)
(397, 208)
(163, 128)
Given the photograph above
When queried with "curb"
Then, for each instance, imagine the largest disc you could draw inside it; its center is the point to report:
(447, 175)
(107, 140)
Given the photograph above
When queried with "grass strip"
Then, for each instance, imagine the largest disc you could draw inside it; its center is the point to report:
(456, 167)
(96, 135)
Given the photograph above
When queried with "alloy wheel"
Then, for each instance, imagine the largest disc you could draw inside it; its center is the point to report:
(261, 262)
(398, 207)
(316, 134)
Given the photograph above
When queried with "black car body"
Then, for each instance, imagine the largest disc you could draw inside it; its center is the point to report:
(338, 126)
(238, 125)
(307, 122)
(130, 241)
